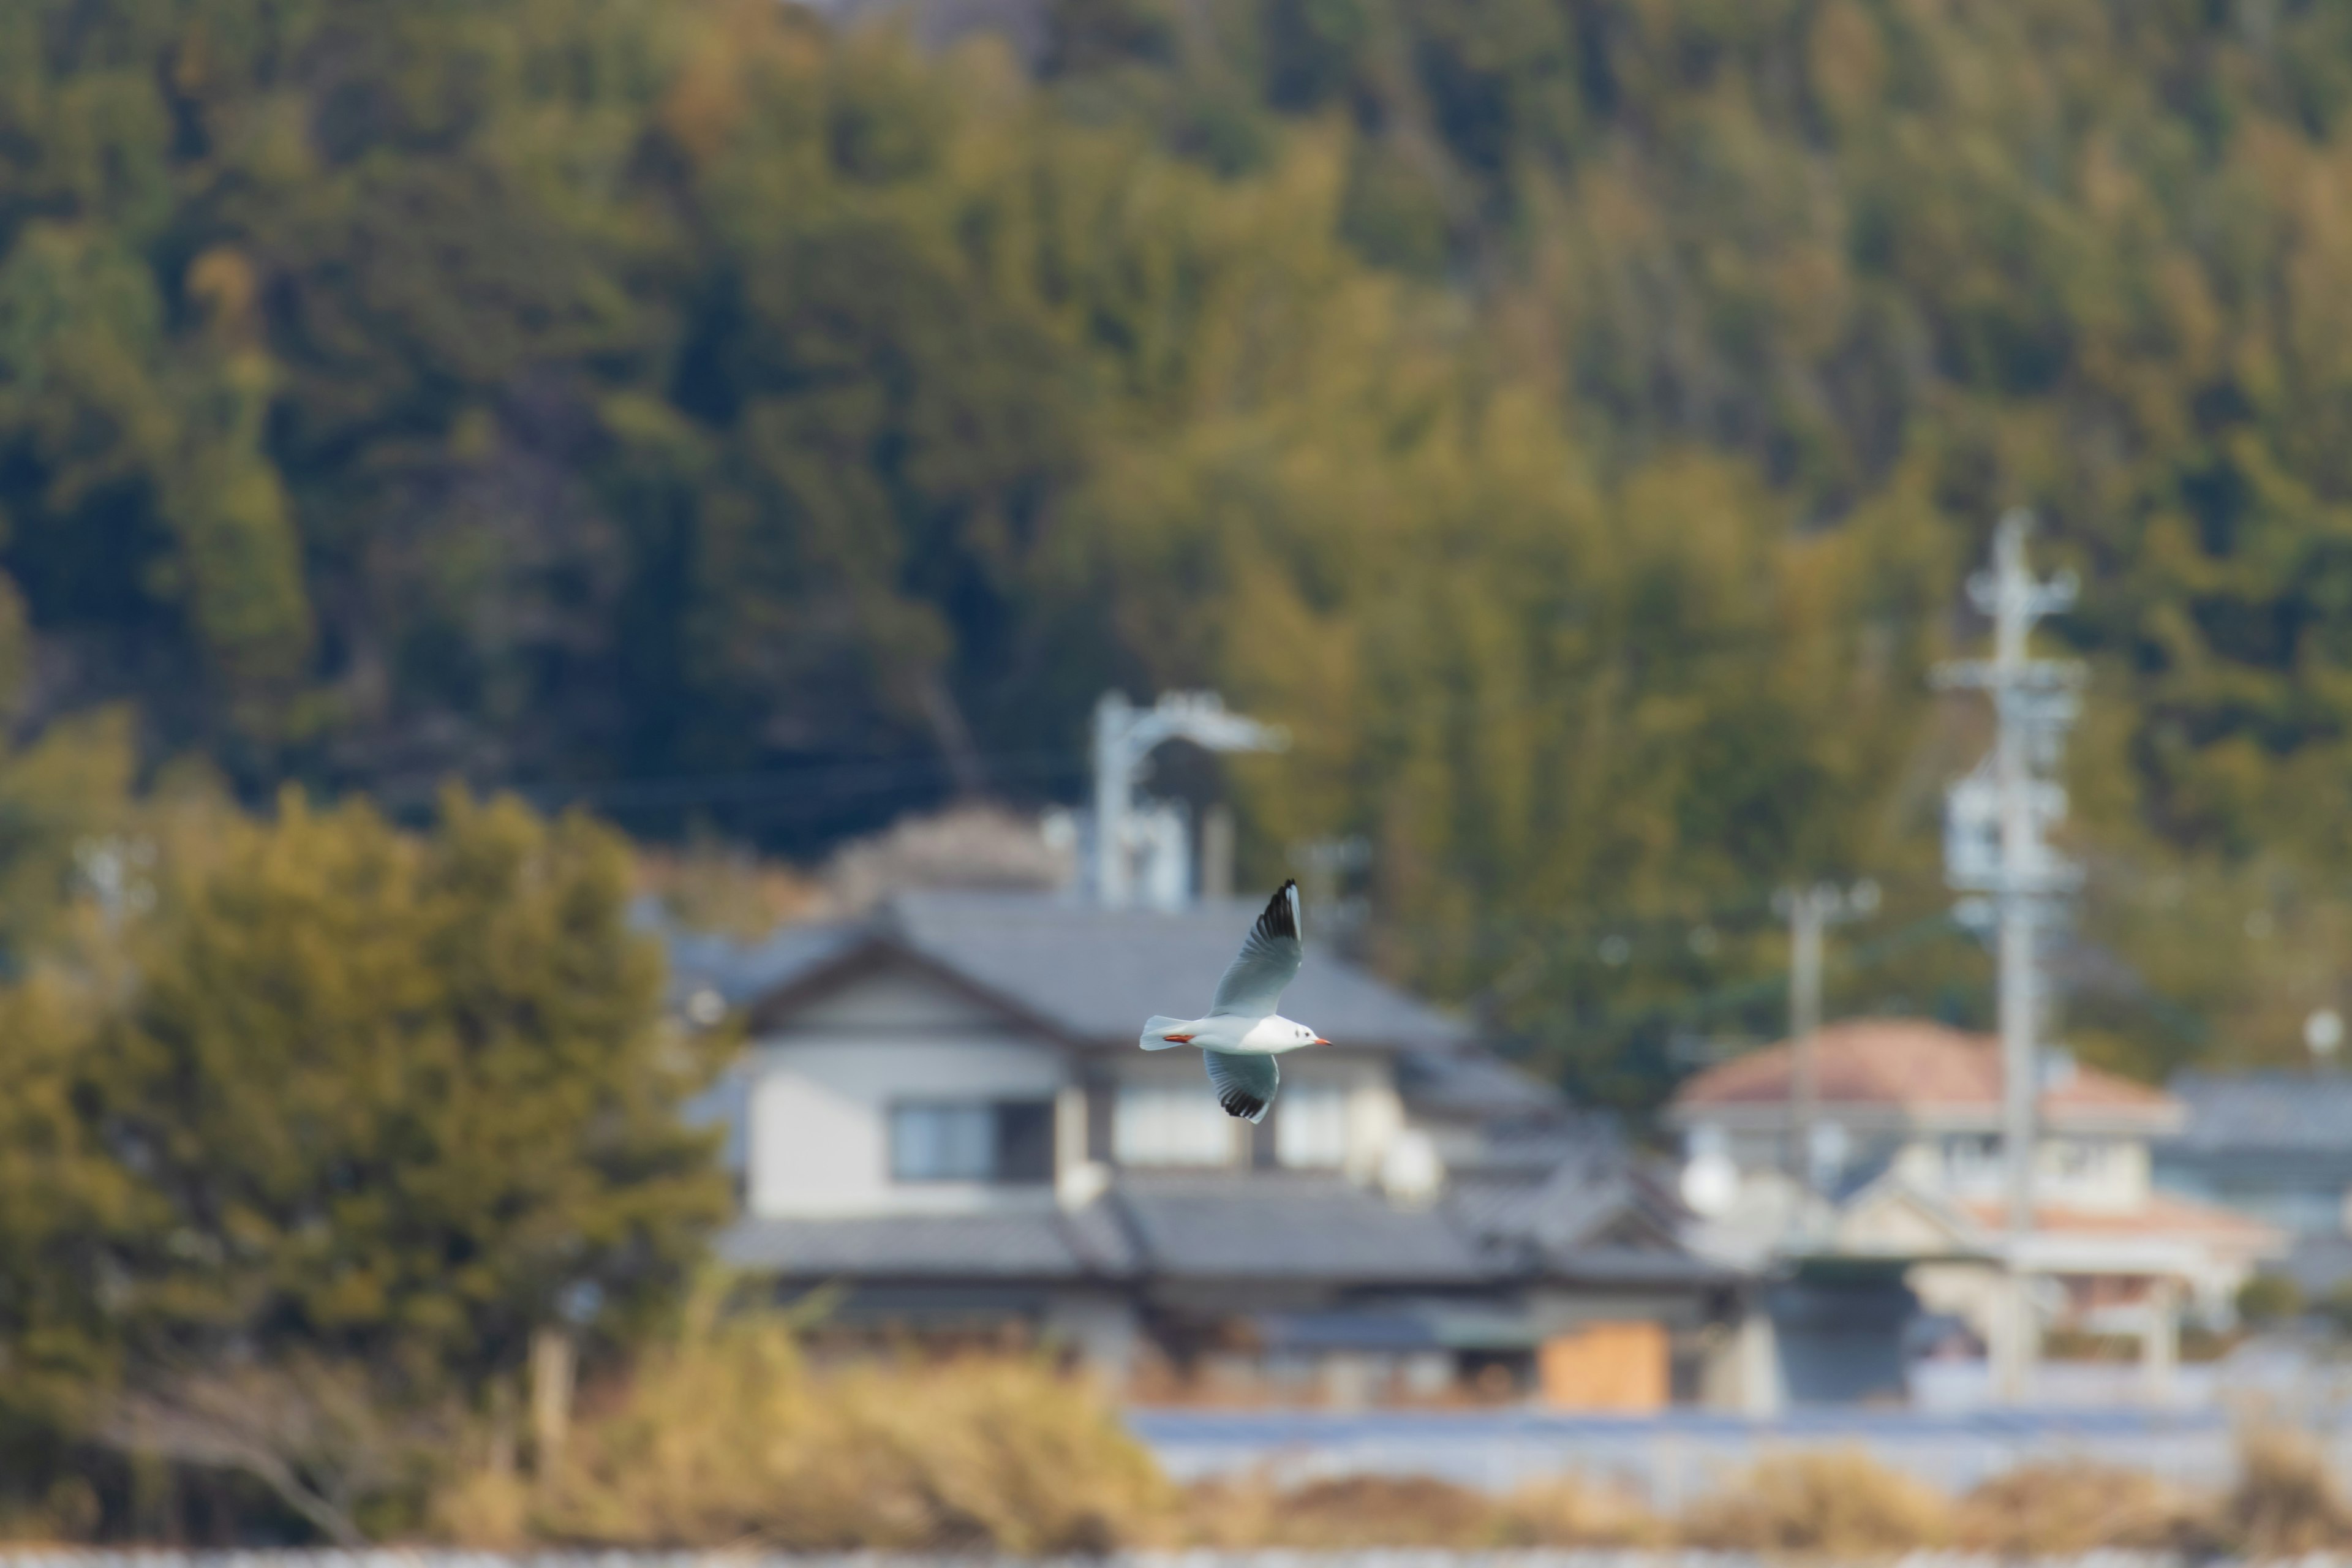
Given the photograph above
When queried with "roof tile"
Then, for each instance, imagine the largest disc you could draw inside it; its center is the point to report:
(1912, 1064)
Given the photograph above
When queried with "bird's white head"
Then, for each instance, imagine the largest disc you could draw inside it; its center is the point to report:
(1307, 1037)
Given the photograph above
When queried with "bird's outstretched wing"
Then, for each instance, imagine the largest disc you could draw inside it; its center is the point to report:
(1253, 984)
(1245, 1085)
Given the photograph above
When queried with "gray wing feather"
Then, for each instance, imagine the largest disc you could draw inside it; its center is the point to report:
(1245, 1085)
(1253, 984)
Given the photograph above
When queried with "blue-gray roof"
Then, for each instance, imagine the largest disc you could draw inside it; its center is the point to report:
(1094, 974)
(1097, 973)
(1237, 1226)
(1240, 1227)
(1264, 1226)
(1044, 1243)
(2269, 1112)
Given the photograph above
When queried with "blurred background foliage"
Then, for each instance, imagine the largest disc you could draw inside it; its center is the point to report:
(1574, 419)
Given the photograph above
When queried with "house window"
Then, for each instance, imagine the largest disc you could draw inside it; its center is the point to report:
(1006, 1141)
(1170, 1124)
(1310, 1127)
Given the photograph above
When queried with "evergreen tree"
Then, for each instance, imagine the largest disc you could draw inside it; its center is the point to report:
(403, 1098)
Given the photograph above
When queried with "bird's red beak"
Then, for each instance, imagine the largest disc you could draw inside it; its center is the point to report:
(1322, 1041)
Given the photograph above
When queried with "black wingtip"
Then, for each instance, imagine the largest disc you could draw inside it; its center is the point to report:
(1281, 916)
(1248, 1107)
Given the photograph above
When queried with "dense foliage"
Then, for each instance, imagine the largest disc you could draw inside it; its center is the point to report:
(311, 1129)
(1574, 418)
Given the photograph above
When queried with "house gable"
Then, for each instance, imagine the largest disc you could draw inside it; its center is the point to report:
(896, 997)
(1893, 1219)
(881, 986)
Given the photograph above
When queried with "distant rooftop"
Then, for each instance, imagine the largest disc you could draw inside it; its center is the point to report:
(1097, 973)
(2268, 1112)
(1914, 1066)
(1094, 974)
(1236, 1226)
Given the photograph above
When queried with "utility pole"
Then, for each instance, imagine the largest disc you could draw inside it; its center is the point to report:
(1994, 847)
(1809, 910)
(1124, 735)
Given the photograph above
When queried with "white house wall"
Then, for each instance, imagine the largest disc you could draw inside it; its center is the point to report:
(821, 1094)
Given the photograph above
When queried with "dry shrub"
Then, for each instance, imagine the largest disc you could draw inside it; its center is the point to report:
(1358, 1511)
(1338, 1514)
(2285, 1503)
(727, 1438)
(1569, 1511)
(334, 1444)
(1841, 1501)
(2076, 1506)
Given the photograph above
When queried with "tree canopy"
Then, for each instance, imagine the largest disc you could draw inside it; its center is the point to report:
(1572, 417)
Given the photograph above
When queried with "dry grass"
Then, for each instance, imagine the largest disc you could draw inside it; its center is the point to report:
(2059, 1510)
(728, 1438)
(1354, 1511)
(2285, 1503)
(1839, 1502)
(1567, 1511)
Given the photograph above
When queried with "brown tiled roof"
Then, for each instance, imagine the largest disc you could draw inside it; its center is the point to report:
(2160, 1213)
(1910, 1064)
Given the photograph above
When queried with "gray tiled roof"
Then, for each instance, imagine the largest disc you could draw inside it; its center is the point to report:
(1098, 973)
(2270, 1112)
(1269, 1226)
(1237, 1226)
(1043, 1245)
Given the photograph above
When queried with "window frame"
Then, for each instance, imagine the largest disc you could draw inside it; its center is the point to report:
(1006, 1139)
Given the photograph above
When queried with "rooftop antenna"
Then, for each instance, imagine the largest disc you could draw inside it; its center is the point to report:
(1124, 736)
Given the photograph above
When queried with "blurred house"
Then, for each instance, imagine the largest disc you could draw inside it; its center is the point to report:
(1901, 1206)
(943, 1115)
(2275, 1145)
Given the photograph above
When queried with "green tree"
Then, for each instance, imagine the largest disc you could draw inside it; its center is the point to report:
(404, 1098)
(67, 1208)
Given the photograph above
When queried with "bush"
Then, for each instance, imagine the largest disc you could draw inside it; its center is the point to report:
(1567, 1511)
(2065, 1509)
(2269, 1298)
(727, 1438)
(2285, 1502)
(1336, 1514)
(1356, 1511)
(1839, 1502)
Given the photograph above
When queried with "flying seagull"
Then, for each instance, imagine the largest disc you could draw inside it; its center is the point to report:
(1242, 1033)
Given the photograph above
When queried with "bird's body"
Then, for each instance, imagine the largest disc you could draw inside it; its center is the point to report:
(1242, 1033)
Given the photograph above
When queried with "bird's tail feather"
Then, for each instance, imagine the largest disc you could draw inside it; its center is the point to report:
(1162, 1033)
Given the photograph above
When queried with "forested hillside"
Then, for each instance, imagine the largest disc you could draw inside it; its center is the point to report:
(1572, 417)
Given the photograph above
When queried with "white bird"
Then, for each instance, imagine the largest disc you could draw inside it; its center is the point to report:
(1242, 1033)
